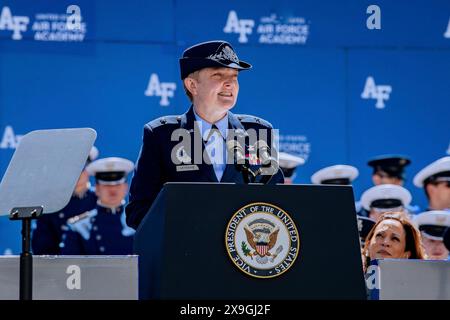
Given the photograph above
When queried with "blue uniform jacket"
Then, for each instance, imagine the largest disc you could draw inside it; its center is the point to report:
(47, 235)
(155, 167)
(101, 232)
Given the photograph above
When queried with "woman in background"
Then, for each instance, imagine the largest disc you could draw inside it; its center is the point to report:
(393, 237)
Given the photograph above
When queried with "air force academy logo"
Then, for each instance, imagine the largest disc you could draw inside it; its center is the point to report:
(164, 90)
(16, 24)
(377, 92)
(243, 27)
(262, 240)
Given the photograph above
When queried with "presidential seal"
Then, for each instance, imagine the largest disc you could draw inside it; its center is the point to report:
(262, 240)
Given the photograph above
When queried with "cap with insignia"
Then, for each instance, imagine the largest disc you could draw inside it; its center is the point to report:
(110, 171)
(391, 165)
(288, 163)
(386, 197)
(209, 54)
(365, 224)
(338, 174)
(433, 223)
(437, 171)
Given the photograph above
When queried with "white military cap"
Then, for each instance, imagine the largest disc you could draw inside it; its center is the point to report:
(110, 170)
(93, 154)
(288, 163)
(337, 174)
(385, 196)
(437, 171)
(433, 223)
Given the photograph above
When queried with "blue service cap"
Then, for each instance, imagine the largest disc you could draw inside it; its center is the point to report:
(217, 53)
(391, 164)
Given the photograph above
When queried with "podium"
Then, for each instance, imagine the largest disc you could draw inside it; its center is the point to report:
(185, 248)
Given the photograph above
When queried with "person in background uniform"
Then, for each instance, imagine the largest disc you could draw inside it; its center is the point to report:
(384, 198)
(103, 231)
(50, 228)
(393, 236)
(209, 72)
(288, 164)
(339, 174)
(435, 181)
(389, 169)
(433, 225)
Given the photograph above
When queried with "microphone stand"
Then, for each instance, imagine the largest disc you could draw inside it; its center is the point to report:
(248, 175)
(241, 161)
(269, 165)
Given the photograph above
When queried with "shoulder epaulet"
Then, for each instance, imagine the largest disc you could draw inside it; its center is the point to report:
(164, 121)
(79, 217)
(82, 223)
(252, 119)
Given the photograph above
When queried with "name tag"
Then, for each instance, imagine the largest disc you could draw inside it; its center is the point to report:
(188, 167)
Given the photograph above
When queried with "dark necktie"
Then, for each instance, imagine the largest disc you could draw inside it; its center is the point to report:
(213, 131)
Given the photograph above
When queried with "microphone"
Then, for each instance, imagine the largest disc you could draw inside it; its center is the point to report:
(269, 165)
(236, 150)
(240, 161)
(263, 152)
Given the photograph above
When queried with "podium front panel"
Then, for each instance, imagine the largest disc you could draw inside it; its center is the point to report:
(193, 262)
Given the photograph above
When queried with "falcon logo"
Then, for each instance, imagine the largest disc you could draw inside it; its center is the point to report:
(262, 240)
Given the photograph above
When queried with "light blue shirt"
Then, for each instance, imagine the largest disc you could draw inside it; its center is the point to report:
(215, 146)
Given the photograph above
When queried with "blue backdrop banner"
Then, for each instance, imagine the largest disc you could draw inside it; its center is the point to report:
(343, 81)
